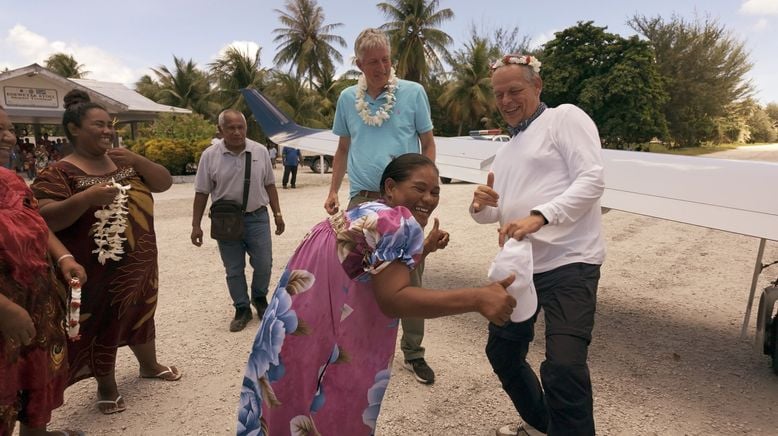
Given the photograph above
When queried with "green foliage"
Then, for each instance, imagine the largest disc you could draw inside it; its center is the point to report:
(704, 68)
(185, 86)
(761, 126)
(306, 43)
(772, 111)
(66, 66)
(174, 140)
(611, 78)
(298, 102)
(468, 96)
(418, 45)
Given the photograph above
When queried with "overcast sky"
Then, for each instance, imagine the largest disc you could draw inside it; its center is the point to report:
(121, 41)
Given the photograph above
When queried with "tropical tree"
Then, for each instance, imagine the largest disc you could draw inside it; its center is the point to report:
(148, 87)
(66, 66)
(185, 86)
(297, 101)
(613, 79)
(418, 45)
(233, 71)
(704, 68)
(468, 94)
(306, 43)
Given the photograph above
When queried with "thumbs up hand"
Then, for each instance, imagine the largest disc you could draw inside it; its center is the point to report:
(436, 240)
(485, 195)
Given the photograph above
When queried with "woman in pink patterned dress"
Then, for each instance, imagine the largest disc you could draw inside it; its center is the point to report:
(322, 357)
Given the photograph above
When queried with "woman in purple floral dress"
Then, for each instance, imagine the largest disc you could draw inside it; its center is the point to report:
(322, 357)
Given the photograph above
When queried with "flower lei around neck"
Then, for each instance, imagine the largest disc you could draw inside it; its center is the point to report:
(384, 112)
(529, 60)
(110, 226)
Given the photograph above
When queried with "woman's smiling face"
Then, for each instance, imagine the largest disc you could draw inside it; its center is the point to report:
(420, 192)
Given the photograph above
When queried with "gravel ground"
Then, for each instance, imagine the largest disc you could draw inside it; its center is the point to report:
(666, 356)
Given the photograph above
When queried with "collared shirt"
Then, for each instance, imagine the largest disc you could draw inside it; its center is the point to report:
(555, 167)
(220, 173)
(373, 147)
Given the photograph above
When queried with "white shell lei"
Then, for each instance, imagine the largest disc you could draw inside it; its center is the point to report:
(74, 310)
(110, 226)
(384, 112)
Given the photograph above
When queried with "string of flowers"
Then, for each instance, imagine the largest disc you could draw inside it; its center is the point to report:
(530, 60)
(74, 310)
(384, 112)
(110, 226)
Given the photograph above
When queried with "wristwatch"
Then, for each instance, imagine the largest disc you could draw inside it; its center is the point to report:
(538, 213)
(277, 214)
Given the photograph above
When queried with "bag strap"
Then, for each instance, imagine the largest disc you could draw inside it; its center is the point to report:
(246, 181)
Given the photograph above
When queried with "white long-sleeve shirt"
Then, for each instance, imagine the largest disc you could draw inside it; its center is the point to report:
(554, 167)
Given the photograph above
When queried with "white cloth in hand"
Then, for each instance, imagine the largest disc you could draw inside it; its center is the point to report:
(516, 258)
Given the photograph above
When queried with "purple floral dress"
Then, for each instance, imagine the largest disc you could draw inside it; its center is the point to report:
(321, 360)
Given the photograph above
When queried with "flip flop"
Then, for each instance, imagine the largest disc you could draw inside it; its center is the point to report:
(115, 403)
(170, 374)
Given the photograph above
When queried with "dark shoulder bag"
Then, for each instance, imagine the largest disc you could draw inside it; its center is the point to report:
(227, 216)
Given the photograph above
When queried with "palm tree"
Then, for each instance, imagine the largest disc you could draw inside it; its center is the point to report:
(66, 66)
(417, 43)
(306, 43)
(148, 87)
(297, 101)
(186, 86)
(236, 70)
(468, 95)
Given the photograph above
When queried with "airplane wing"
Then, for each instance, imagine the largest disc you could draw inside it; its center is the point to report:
(720, 194)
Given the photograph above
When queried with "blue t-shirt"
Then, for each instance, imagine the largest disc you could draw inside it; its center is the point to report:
(291, 156)
(372, 148)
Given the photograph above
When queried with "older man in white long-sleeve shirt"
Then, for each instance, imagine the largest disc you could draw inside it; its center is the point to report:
(546, 185)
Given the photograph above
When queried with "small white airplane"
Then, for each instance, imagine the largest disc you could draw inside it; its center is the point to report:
(720, 194)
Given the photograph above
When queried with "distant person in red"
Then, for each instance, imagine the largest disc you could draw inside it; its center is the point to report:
(33, 352)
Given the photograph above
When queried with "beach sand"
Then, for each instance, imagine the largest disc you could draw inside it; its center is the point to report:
(666, 358)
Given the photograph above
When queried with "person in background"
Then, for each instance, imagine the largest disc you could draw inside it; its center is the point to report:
(220, 175)
(33, 310)
(323, 353)
(377, 119)
(94, 194)
(273, 155)
(291, 158)
(545, 185)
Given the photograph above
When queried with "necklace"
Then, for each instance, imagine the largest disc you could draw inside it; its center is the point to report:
(384, 112)
(110, 226)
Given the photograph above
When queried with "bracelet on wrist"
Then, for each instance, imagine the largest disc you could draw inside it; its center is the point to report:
(64, 256)
(277, 214)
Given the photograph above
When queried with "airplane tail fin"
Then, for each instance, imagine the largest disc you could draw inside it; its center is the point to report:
(276, 125)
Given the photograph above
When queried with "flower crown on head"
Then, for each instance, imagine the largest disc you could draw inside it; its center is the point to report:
(508, 59)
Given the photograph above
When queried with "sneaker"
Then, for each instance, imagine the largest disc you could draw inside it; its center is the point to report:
(260, 304)
(420, 369)
(520, 429)
(242, 317)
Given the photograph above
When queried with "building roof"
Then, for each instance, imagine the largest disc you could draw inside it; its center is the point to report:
(34, 94)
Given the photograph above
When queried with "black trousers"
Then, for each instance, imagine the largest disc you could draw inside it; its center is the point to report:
(563, 404)
(289, 169)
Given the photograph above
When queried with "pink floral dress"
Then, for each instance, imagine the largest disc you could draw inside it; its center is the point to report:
(322, 357)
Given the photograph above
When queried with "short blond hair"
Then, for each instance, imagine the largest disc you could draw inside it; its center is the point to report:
(370, 38)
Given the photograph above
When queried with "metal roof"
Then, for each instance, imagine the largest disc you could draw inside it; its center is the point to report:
(126, 104)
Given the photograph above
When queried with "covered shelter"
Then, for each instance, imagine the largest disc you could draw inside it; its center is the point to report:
(34, 95)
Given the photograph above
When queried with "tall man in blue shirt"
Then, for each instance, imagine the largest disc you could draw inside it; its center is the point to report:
(380, 118)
